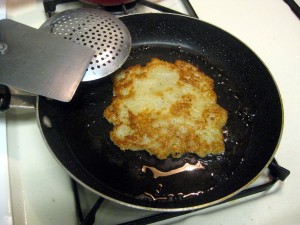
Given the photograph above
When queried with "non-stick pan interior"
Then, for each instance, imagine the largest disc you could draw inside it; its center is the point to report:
(78, 135)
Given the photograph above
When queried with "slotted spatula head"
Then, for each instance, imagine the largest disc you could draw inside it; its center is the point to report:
(97, 29)
(40, 63)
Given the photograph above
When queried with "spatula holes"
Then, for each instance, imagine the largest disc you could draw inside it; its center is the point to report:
(99, 32)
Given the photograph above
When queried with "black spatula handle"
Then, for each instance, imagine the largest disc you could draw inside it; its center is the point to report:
(5, 97)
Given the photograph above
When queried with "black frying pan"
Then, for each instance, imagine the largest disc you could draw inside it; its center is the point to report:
(78, 135)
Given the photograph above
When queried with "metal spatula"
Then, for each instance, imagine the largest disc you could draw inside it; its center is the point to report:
(40, 63)
(97, 29)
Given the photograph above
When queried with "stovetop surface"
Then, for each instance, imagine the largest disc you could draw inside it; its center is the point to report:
(40, 189)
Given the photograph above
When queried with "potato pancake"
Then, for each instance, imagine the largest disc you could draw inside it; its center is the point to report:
(166, 109)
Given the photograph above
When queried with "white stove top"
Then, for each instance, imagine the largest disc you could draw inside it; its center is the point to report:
(40, 189)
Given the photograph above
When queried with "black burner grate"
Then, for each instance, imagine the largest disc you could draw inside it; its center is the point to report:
(276, 173)
(50, 7)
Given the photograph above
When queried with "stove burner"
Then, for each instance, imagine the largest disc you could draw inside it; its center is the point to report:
(50, 7)
(276, 173)
(120, 9)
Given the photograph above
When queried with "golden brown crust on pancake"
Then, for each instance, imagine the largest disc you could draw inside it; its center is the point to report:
(166, 109)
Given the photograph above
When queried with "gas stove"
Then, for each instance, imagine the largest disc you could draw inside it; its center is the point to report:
(40, 191)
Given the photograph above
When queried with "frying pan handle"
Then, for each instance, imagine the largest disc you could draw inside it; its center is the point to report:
(5, 97)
